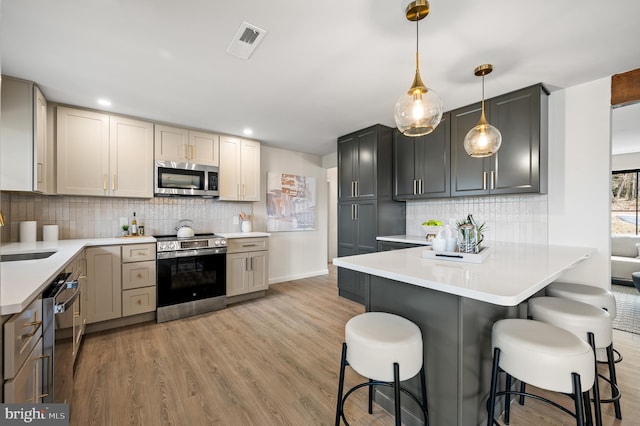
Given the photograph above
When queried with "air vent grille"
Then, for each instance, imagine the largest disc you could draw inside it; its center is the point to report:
(245, 40)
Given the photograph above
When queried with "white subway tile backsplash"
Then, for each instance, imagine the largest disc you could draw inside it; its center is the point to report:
(513, 218)
(93, 217)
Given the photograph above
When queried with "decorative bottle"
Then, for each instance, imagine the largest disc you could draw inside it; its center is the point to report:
(134, 225)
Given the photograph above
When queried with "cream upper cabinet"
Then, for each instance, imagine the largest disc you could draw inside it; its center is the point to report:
(186, 146)
(131, 157)
(239, 169)
(103, 155)
(23, 138)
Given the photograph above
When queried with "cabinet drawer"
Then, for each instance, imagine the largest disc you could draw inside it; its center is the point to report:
(138, 252)
(21, 334)
(26, 386)
(138, 274)
(241, 245)
(138, 301)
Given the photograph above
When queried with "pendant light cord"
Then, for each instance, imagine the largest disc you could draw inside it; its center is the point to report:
(417, 46)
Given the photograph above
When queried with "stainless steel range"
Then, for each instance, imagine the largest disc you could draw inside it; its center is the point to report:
(191, 275)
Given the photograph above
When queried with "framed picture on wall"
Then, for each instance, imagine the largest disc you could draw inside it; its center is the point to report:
(291, 202)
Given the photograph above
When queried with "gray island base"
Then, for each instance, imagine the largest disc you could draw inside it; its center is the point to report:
(455, 305)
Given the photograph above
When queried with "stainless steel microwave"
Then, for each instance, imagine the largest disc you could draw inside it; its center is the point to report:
(172, 178)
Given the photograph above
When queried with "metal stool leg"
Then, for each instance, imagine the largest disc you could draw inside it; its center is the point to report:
(596, 387)
(343, 364)
(423, 383)
(614, 382)
(577, 393)
(491, 404)
(507, 400)
(370, 396)
(396, 391)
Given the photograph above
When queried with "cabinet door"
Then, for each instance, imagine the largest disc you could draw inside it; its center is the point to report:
(229, 174)
(204, 148)
(82, 152)
(131, 148)
(366, 163)
(516, 165)
(250, 170)
(351, 285)
(469, 176)
(432, 161)
(367, 223)
(347, 157)
(41, 146)
(171, 143)
(237, 279)
(404, 159)
(258, 262)
(347, 229)
(104, 285)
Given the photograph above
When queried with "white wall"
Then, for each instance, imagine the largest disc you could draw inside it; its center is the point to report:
(294, 255)
(579, 176)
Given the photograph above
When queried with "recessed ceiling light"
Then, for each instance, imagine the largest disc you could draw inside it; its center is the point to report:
(247, 132)
(104, 102)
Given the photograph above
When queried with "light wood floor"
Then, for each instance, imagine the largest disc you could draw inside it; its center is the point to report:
(271, 361)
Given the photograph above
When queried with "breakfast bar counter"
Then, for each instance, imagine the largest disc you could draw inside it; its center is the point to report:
(455, 305)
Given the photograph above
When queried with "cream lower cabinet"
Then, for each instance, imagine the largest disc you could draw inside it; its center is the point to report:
(186, 146)
(247, 263)
(121, 281)
(138, 279)
(104, 284)
(103, 155)
(22, 353)
(239, 169)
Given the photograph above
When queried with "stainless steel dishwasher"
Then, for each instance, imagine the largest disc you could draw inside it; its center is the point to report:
(57, 301)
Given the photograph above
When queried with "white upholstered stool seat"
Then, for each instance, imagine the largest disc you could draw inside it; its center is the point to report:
(596, 296)
(542, 355)
(590, 323)
(386, 349)
(375, 340)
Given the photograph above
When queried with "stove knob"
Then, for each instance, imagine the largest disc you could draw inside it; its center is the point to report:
(223, 242)
(216, 242)
(162, 246)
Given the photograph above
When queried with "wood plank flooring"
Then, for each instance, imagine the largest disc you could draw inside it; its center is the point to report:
(270, 361)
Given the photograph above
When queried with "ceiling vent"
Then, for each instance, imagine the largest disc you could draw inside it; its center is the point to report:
(245, 41)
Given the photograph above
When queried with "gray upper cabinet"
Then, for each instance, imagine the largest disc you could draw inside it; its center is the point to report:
(520, 165)
(357, 164)
(421, 165)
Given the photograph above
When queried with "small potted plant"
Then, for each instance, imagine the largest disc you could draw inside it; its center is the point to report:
(125, 230)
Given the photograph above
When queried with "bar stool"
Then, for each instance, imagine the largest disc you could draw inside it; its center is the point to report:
(386, 349)
(596, 296)
(591, 324)
(544, 356)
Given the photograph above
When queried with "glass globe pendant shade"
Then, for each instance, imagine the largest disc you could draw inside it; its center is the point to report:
(483, 140)
(418, 112)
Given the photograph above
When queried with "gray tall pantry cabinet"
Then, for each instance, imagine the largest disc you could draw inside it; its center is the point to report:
(366, 209)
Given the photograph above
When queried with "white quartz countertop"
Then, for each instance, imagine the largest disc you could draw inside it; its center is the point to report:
(243, 234)
(511, 274)
(22, 281)
(412, 239)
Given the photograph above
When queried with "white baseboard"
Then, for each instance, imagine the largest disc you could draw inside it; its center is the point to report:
(297, 276)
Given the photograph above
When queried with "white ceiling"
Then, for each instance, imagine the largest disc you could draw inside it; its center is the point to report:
(323, 70)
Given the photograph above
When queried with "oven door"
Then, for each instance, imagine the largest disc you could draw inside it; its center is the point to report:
(190, 275)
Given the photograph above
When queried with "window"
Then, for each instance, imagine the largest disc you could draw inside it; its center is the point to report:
(624, 202)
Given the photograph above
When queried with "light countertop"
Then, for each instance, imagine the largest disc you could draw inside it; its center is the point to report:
(512, 272)
(22, 281)
(412, 239)
(243, 234)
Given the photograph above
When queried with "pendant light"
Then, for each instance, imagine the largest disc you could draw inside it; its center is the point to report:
(418, 111)
(484, 140)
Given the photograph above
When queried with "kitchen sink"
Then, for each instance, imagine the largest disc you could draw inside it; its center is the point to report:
(25, 256)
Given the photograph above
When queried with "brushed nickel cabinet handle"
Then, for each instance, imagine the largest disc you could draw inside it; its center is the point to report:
(39, 173)
(484, 181)
(186, 152)
(357, 192)
(105, 178)
(114, 183)
(493, 180)
(193, 152)
(36, 325)
(421, 187)
(414, 186)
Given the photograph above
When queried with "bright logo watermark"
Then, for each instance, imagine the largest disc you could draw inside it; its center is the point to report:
(35, 414)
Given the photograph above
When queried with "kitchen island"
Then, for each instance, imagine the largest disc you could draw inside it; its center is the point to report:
(455, 305)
